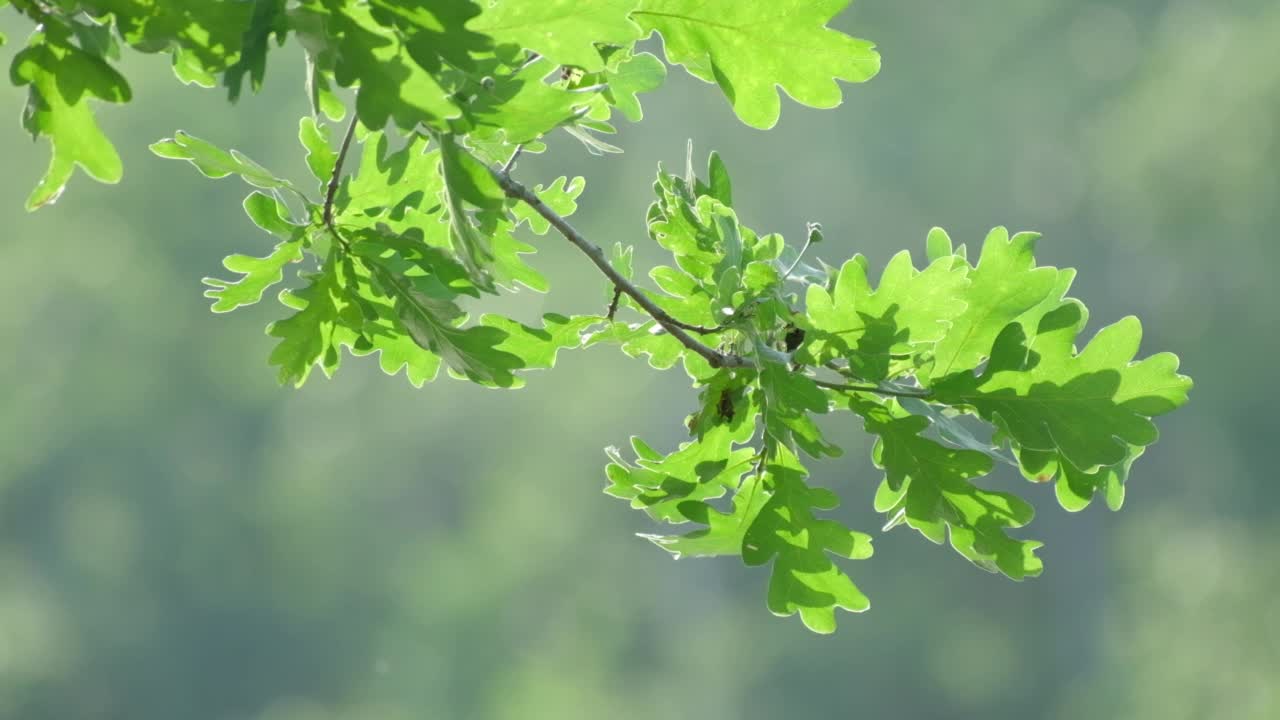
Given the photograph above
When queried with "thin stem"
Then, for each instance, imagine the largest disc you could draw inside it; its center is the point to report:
(511, 161)
(807, 242)
(335, 179)
(677, 329)
(842, 387)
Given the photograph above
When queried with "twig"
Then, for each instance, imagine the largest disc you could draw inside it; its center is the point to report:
(841, 387)
(335, 179)
(677, 329)
(613, 304)
(511, 162)
(812, 234)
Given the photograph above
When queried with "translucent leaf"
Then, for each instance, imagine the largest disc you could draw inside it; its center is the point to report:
(866, 326)
(258, 273)
(1004, 285)
(566, 31)
(395, 75)
(667, 486)
(928, 485)
(523, 107)
(321, 157)
(1089, 407)
(751, 48)
(561, 196)
(804, 578)
(62, 78)
(268, 19)
(306, 337)
(215, 162)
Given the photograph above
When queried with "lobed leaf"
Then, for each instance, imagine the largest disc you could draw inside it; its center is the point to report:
(566, 31)
(61, 79)
(750, 49)
(929, 486)
(1090, 408)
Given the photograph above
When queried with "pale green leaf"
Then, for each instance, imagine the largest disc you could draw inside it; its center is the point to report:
(566, 31)
(750, 49)
(62, 78)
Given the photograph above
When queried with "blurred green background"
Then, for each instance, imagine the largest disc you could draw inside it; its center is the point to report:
(181, 538)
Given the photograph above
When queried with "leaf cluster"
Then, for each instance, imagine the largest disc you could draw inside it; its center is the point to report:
(413, 216)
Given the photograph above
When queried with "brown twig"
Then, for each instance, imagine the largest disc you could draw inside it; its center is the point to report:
(677, 329)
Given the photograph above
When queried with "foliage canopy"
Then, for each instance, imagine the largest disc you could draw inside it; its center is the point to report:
(953, 365)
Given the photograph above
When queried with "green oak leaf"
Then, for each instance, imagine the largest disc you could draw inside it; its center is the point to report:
(1090, 407)
(929, 486)
(468, 183)
(561, 196)
(646, 338)
(1075, 489)
(725, 531)
(663, 486)
(259, 273)
(307, 336)
(347, 42)
(204, 37)
(62, 78)
(537, 348)
(638, 73)
(718, 185)
(396, 349)
(787, 399)
(804, 579)
(751, 48)
(215, 162)
(268, 19)
(1004, 285)
(909, 309)
(321, 157)
(522, 107)
(396, 190)
(488, 353)
(566, 31)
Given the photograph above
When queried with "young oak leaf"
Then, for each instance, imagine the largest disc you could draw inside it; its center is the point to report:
(1091, 407)
(214, 162)
(928, 485)
(787, 400)
(258, 273)
(665, 486)
(566, 31)
(623, 83)
(398, 191)
(804, 578)
(724, 532)
(346, 40)
(268, 19)
(307, 336)
(908, 311)
(521, 107)
(321, 157)
(62, 79)
(561, 196)
(1004, 285)
(469, 183)
(751, 48)
(1075, 488)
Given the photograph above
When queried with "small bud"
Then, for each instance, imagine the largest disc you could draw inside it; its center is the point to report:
(487, 82)
(815, 232)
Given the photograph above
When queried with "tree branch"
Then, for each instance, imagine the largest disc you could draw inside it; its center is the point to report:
(677, 329)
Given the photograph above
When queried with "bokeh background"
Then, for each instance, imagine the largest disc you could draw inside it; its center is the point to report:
(182, 538)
